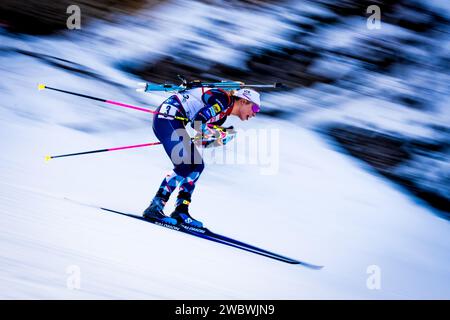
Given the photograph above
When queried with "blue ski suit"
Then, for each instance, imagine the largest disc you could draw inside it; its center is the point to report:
(200, 106)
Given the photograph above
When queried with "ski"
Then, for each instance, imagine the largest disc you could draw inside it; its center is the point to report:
(205, 233)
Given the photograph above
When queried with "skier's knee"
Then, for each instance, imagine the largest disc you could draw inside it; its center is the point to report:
(185, 170)
(199, 167)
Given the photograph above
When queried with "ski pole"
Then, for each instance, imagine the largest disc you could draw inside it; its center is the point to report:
(48, 158)
(120, 104)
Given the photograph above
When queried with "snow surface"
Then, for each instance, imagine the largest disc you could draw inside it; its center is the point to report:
(318, 206)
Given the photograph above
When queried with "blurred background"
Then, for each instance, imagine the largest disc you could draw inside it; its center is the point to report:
(364, 172)
(380, 95)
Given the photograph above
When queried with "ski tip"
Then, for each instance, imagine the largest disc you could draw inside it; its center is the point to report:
(306, 264)
(311, 266)
(41, 86)
(316, 267)
(47, 158)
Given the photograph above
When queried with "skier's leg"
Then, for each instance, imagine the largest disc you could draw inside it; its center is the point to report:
(159, 201)
(168, 185)
(188, 165)
(190, 173)
(181, 212)
(177, 145)
(167, 132)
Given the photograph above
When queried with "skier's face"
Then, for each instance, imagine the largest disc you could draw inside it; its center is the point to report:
(246, 109)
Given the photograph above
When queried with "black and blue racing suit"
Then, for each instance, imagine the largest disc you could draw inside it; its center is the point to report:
(210, 106)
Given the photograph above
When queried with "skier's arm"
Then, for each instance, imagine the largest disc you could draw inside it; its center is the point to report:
(216, 101)
(220, 122)
(215, 136)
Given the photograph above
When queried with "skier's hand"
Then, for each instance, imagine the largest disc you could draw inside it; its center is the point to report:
(229, 134)
(214, 136)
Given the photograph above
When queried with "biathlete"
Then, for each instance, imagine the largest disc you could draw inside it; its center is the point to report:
(206, 109)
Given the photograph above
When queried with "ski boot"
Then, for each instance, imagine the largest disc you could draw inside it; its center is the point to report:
(182, 215)
(155, 211)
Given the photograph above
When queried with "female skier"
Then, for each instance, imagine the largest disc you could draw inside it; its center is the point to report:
(206, 109)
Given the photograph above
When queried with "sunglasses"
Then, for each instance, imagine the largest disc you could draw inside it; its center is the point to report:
(255, 108)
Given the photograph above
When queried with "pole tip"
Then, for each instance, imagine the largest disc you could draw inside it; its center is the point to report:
(41, 86)
(48, 158)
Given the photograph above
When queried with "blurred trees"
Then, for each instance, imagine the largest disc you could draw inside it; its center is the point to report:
(46, 16)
